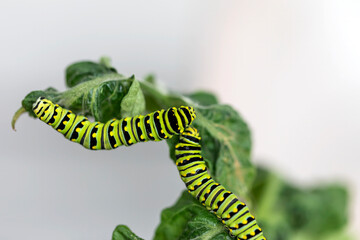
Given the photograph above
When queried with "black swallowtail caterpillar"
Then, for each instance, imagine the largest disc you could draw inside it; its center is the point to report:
(234, 214)
(154, 126)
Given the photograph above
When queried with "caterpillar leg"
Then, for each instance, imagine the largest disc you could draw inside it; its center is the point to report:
(233, 213)
(154, 126)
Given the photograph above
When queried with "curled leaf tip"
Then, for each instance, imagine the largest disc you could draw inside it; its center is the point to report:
(106, 61)
(17, 114)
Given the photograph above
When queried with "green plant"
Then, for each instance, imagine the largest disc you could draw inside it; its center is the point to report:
(282, 210)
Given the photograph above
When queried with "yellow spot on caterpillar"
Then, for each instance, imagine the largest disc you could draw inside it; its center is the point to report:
(125, 128)
(59, 130)
(260, 229)
(148, 121)
(237, 226)
(73, 140)
(69, 115)
(165, 136)
(83, 123)
(112, 133)
(252, 233)
(244, 222)
(138, 124)
(93, 147)
(77, 129)
(97, 126)
(93, 135)
(142, 137)
(230, 230)
(208, 191)
(223, 221)
(235, 210)
(222, 199)
(162, 131)
(65, 122)
(112, 124)
(126, 119)
(115, 145)
(70, 111)
(150, 134)
(193, 172)
(130, 141)
(228, 216)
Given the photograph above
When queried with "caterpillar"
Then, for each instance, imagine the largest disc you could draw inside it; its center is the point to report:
(234, 214)
(155, 126)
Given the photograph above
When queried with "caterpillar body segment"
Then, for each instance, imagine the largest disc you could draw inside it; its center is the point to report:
(233, 213)
(155, 126)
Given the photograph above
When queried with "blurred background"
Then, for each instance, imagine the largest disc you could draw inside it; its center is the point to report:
(290, 68)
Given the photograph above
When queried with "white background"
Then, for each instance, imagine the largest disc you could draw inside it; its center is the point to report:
(290, 68)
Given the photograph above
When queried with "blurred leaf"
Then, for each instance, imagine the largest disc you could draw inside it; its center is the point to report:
(288, 212)
(122, 232)
(317, 210)
(84, 71)
(203, 98)
(188, 220)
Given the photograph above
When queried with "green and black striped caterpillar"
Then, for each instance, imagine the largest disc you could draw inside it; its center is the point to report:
(234, 214)
(154, 126)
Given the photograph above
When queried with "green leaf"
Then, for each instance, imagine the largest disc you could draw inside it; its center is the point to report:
(188, 220)
(204, 98)
(285, 211)
(100, 97)
(122, 232)
(134, 102)
(28, 101)
(226, 146)
(226, 140)
(84, 71)
(316, 210)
